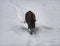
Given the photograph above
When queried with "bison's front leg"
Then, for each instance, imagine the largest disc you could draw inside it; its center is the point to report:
(30, 28)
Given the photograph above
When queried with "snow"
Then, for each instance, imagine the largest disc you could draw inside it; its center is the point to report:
(13, 32)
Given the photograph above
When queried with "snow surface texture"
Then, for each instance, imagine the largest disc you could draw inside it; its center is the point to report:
(13, 32)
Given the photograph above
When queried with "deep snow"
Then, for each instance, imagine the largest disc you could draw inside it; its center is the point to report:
(13, 32)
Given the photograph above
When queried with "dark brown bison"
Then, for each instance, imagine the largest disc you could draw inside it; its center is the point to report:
(30, 20)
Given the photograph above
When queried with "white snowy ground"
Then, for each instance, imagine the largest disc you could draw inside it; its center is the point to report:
(13, 32)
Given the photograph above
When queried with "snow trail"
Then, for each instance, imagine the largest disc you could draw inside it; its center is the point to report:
(20, 14)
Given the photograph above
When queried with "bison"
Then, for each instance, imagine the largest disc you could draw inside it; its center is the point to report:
(30, 20)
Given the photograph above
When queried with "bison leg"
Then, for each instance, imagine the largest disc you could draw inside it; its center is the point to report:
(33, 25)
(29, 26)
